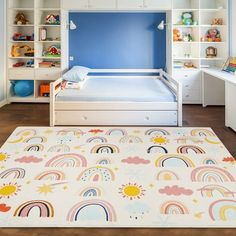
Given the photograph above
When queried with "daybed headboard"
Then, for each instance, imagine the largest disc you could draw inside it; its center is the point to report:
(118, 40)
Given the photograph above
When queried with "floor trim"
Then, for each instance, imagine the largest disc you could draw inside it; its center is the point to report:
(3, 103)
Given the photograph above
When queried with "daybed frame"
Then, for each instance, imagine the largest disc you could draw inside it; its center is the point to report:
(118, 113)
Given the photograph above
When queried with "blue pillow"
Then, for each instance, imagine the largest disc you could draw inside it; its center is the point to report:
(76, 74)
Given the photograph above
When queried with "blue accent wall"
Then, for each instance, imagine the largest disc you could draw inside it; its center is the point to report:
(118, 40)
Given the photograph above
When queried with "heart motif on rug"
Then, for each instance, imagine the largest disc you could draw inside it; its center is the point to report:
(4, 208)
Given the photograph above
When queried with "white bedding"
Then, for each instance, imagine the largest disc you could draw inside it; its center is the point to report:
(129, 89)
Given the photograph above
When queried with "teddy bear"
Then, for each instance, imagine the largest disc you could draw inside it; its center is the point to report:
(20, 19)
(176, 35)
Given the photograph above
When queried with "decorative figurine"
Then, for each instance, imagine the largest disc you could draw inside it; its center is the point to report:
(187, 18)
(211, 52)
(20, 19)
(213, 35)
(53, 19)
(217, 21)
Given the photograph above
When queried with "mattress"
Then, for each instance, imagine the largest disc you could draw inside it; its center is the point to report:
(123, 89)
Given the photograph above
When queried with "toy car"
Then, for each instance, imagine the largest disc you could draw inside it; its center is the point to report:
(19, 64)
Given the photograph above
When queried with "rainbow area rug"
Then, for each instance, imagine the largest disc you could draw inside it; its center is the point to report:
(116, 177)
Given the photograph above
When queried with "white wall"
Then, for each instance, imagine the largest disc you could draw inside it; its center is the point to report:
(233, 28)
(2, 50)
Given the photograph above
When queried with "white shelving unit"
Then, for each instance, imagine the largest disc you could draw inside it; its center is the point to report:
(178, 53)
(204, 12)
(36, 12)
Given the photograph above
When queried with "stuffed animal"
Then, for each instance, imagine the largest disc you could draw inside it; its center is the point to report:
(217, 21)
(20, 19)
(176, 35)
(213, 35)
(187, 18)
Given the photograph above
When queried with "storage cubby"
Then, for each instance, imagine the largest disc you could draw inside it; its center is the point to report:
(186, 4)
(29, 85)
(21, 50)
(53, 33)
(28, 14)
(213, 4)
(48, 4)
(208, 17)
(44, 14)
(43, 50)
(189, 64)
(21, 3)
(220, 48)
(20, 63)
(186, 51)
(177, 17)
(211, 63)
(42, 92)
(185, 34)
(20, 32)
(221, 30)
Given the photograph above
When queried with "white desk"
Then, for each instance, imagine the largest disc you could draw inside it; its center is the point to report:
(219, 92)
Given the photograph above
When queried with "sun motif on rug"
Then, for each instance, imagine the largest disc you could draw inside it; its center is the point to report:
(9, 190)
(159, 140)
(3, 156)
(132, 191)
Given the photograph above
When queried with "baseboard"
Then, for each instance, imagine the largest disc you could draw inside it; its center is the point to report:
(3, 103)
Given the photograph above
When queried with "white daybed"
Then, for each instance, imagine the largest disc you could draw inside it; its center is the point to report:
(119, 97)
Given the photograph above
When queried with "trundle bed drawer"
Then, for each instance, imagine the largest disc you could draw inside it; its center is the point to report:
(116, 118)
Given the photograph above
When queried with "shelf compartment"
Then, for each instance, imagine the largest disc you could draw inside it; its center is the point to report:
(186, 4)
(194, 32)
(21, 4)
(42, 17)
(53, 33)
(177, 16)
(15, 61)
(221, 51)
(213, 4)
(208, 16)
(29, 15)
(29, 31)
(42, 4)
(222, 30)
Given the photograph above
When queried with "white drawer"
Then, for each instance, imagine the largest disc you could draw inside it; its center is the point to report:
(191, 95)
(47, 74)
(190, 83)
(27, 74)
(116, 118)
(187, 74)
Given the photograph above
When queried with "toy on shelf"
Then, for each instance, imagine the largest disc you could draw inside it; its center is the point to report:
(21, 19)
(217, 21)
(23, 88)
(52, 19)
(211, 52)
(44, 90)
(30, 63)
(19, 64)
(20, 37)
(42, 34)
(53, 51)
(230, 65)
(212, 35)
(189, 65)
(49, 64)
(15, 51)
(177, 35)
(187, 19)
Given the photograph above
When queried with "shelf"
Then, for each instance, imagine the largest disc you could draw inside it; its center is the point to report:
(49, 58)
(185, 58)
(12, 41)
(186, 26)
(49, 25)
(182, 42)
(213, 59)
(21, 57)
(15, 25)
(21, 9)
(212, 26)
(186, 9)
(54, 41)
(49, 9)
(212, 10)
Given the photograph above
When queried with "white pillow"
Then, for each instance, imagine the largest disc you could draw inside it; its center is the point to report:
(76, 74)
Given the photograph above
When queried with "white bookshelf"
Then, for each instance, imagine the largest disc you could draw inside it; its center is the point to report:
(36, 12)
(204, 11)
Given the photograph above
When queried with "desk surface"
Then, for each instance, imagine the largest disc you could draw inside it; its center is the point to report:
(227, 77)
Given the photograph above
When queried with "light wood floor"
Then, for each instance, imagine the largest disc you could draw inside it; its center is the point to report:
(14, 115)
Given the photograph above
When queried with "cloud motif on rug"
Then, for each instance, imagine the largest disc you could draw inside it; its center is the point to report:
(29, 159)
(175, 190)
(135, 160)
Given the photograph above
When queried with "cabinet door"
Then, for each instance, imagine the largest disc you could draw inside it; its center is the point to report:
(102, 4)
(129, 4)
(158, 4)
(74, 4)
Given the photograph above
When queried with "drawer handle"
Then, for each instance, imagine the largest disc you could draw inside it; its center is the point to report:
(186, 76)
(84, 117)
(187, 96)
(186, 86)
(147, 118)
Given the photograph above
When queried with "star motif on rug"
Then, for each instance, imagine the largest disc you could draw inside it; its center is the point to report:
(45, 189)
